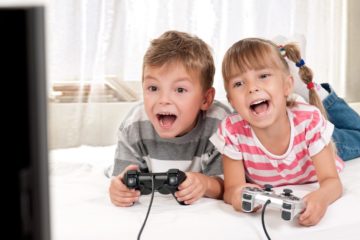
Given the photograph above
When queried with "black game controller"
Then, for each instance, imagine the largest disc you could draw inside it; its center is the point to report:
(164, 183)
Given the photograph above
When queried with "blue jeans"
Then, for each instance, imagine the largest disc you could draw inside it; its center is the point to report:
(346, 122)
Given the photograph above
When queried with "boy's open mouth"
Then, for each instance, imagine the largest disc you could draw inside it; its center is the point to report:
(259, 106)
(166, 120)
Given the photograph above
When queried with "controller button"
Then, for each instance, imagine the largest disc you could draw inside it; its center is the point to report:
(173, 181)
(286, 206)
(285, 215)
(246, 206)
(287, 192)
(131, 182)
(293, 198)
(247, 196)
(268, 187)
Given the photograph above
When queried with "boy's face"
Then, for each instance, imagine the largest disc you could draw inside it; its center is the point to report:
(173, 98)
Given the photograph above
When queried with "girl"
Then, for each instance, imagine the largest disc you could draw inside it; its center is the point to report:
(271, 139)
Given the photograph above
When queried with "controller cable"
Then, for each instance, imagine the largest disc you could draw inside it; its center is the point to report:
(263, 220)
(149, 208)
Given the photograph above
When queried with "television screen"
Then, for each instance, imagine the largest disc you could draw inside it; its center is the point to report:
(25, 154)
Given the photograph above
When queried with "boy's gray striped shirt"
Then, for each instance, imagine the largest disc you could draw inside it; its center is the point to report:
(138, 143)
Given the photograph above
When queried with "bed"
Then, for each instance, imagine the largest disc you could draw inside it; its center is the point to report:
(81, 209)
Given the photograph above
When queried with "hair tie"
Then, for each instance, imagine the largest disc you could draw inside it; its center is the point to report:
(310, 85)
(300, 63)
(282, 50)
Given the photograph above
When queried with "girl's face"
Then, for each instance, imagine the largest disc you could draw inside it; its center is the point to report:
(259, 96)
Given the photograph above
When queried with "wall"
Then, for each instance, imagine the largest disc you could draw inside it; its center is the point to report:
(66, 129)
(99, 129)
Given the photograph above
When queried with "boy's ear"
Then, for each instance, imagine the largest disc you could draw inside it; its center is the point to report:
(208, 99)
(228, 98)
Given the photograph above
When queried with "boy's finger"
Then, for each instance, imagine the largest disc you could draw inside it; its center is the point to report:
(185, 191)
(130, 167)
(125, 196)
(185, 184)
(122, 203)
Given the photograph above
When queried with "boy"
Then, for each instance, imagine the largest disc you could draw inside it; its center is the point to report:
(172, 127)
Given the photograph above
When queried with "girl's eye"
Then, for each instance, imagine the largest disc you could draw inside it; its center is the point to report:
(238, 84)
(265, 75)
(152, 88)
(180, 90)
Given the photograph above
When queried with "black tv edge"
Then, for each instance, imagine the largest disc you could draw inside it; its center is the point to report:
(24, 96)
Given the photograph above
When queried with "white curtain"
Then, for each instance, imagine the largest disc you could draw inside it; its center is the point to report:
(89, 40)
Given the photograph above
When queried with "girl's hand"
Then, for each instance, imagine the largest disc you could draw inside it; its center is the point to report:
(316, 206)
(120, 195)
(193, 188)
(236, 200)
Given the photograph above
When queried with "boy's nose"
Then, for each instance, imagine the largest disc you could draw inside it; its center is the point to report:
(164, 98)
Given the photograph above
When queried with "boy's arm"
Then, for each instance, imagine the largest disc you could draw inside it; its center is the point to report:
(125, 153)
(198, 185)
(215, 187)
(120, 195)
(330, 188)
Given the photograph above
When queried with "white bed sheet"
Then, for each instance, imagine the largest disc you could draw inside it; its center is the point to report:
(81, 209)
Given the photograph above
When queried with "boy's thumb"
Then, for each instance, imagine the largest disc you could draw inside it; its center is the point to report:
(130, 167)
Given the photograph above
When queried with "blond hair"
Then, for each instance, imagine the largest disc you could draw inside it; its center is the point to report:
(191, 51)
(257, 53)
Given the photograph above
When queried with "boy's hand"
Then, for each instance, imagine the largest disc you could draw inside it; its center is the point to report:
(120, 195)
(193, 188)
(315, 208)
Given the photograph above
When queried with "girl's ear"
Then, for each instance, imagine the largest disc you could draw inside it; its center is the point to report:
(228, 98)
(208, 99)
(288, 85)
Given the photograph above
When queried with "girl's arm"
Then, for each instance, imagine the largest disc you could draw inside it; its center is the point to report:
(234, 181)
(330, 188)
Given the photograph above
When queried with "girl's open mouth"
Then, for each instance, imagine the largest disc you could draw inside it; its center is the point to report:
(260, 106)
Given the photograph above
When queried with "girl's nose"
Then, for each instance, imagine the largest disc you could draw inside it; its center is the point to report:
(253, 88)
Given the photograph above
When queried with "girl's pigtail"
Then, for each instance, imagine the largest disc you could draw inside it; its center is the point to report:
(292, 52)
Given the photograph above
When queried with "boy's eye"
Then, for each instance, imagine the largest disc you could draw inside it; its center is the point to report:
(238, 84)
(265, 75)
(180, 90)
(152, 88)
